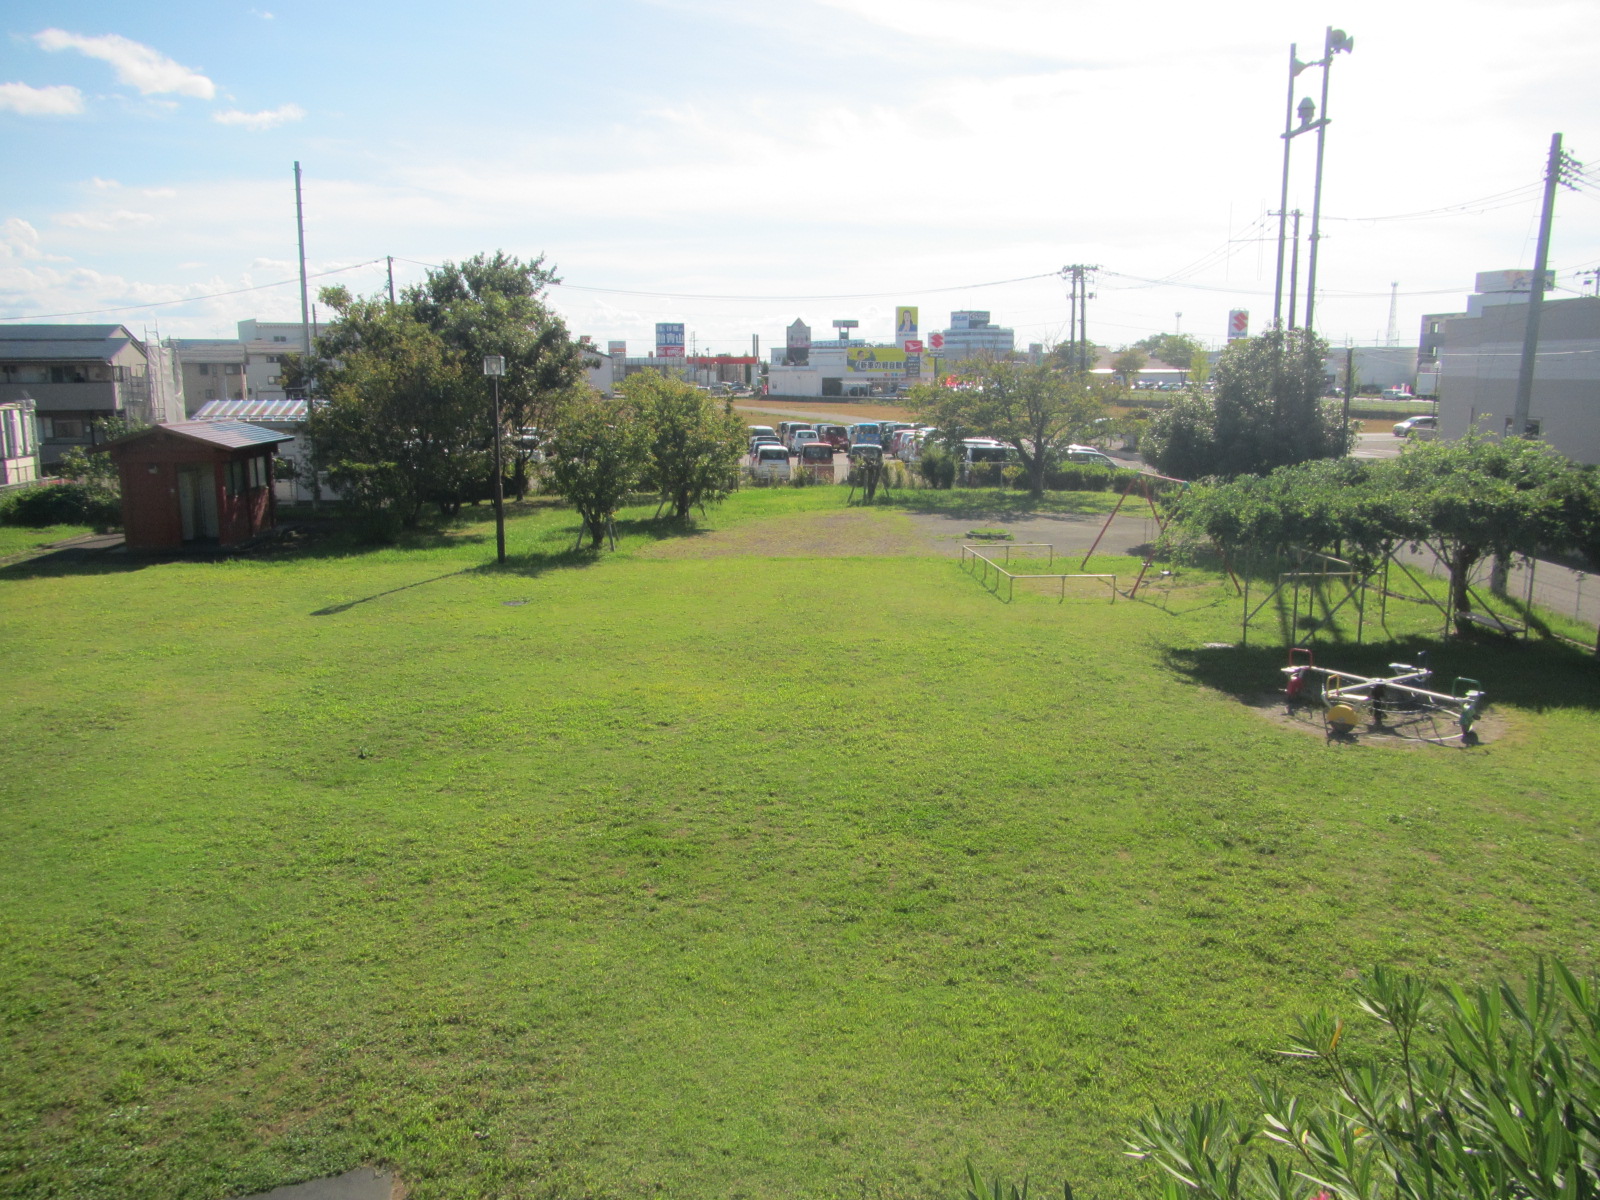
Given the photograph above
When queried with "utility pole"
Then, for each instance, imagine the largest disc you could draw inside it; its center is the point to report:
(1558, 164)
(1349, 383)
(1295, 67)
(1079, 341)
(391, 278)
(1294, 268)
(305, 326)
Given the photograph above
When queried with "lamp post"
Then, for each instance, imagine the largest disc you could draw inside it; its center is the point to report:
(1337, 42)
(494, 366)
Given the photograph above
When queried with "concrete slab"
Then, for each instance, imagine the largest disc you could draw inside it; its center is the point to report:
(363, 1183)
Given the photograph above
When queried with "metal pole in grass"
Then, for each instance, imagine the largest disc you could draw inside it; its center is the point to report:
(494, 366)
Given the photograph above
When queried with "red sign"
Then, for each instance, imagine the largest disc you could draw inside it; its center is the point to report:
(1238, 323)
(913, 345)
(936, 341)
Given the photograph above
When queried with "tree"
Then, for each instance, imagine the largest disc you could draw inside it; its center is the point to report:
(597, 455)
(403, 421)
(694, 444)
(1175, 349)
(1267, 412)
(1035, 410)
(1128, 363)
(1471, 499)
(493, 304)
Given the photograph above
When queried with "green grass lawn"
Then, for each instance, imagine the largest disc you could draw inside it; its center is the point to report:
(695, 877)
(19, 539)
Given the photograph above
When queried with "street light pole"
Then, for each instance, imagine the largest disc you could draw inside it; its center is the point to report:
(1336, 41)
(494, 366)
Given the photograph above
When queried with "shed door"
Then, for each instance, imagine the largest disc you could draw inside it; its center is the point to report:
(197, 501)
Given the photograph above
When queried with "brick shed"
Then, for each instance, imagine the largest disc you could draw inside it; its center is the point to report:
(201, 483)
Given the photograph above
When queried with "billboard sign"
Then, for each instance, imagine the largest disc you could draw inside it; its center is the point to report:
(936, 341)
(905, 321)
(1238, 323)
(875, 358)
(799, 336)
(669, 340)
(617, 349)
(911, 346)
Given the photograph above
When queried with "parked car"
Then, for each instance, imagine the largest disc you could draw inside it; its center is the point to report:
(816, 458)
(1398, 393)
(763, 439)
(866, 450)
(757, 430)
(1088, 456)
(770, 462)
(866, 432)
(836, 436)
(801, 437)
(1421, 426)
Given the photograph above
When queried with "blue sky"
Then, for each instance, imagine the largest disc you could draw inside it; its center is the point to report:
(746, 163)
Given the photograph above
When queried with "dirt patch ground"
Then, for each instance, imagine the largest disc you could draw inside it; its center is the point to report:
(871, 531)
(1415, 731)
(856, 531)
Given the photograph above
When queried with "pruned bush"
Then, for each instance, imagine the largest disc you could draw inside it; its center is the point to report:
(61, 504)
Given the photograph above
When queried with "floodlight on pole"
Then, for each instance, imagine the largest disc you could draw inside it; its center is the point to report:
(494, 366)
(1337, 41)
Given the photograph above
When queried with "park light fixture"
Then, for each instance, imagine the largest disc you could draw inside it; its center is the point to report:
(494, 366)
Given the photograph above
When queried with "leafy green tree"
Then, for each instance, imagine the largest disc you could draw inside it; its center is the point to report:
(1174, 349)
(494, 304)
(403, 420)
(1066, 356)
(695, 444)
(1471, 499)
(1129, 363)
(597, 455)
(1267, 412)
(1036, 410)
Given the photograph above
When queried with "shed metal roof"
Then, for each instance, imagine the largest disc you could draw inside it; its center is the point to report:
(251, 410)
(230, 435)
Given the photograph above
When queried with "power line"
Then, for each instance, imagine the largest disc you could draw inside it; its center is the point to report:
(260, 287)
(921, 291)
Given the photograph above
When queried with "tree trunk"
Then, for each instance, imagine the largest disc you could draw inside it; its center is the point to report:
(1461, 563)
(1036, 473)
(1498, 571)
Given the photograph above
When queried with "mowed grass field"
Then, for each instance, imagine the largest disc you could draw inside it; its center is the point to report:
(696, 876)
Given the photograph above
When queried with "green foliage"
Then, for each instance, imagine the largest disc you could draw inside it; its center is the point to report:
(1128, 363)
(1470, 498)
(1267, 411)
(404, 423)
(86, 503)
(97, 470)
(495, 305)
(1033, 409)
(598, 455)
(1481, 1093)
(936, 464)
(695, 444)
(1176, 349)
(404, 417)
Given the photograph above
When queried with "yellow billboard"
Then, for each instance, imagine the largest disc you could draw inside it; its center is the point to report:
(905, 321)
(876, 358)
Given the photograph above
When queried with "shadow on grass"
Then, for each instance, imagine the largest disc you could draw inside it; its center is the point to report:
(1538, 676)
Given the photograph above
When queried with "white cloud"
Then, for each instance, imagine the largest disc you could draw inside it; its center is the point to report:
(269, 118)
(265, 16)
(104, 185)
(55, 101)
(159, 193)
(150, 71)
(103, 222)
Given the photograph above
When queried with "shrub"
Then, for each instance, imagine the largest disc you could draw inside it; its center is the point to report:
(937, 466)
(61, 504)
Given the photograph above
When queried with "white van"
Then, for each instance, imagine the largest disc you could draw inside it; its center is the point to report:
(769, 462)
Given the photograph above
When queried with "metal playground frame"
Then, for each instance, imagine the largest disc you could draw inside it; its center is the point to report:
(975, 554)
(1395, 704)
